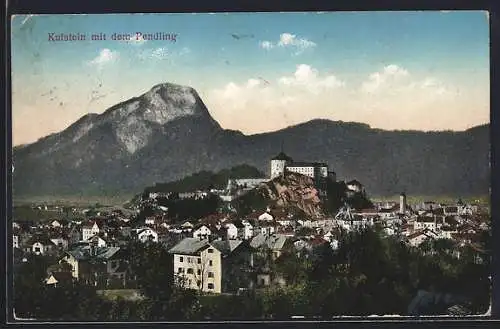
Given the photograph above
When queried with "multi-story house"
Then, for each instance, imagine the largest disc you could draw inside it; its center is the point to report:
(235, 230)
(147, 234)
(40, 245)
(201, 232)
(90, 229)
(95, 265)
(198, 265)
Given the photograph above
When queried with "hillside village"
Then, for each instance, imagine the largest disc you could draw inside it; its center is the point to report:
(227, 252)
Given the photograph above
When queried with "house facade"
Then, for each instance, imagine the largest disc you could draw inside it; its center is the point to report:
(42, 247)
(95, 265)
(198, 265)
(147, 234)
(201, 232)
(89, 230)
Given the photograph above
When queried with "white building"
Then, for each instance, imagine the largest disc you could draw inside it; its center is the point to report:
(231, 231)
(202, 232)
(267, 230)
(42, 246)
(238, 230)
(55, 223)
(428, 223)
(147, 234)
(248, 231)
(312, 169)
(278, 164)
(97, 241)
(354, 186)
(282, 163)
(197, 265)
(150, 221)
(245, 183)
(266, 216)
(89, 230)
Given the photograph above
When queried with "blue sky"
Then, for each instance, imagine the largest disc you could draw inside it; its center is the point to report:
(351, 66)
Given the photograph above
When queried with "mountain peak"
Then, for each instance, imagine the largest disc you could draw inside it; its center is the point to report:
(172, 87)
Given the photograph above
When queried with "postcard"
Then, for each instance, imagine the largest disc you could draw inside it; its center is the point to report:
(250, 166)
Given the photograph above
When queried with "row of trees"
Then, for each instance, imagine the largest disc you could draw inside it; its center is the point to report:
(206, 180)
(180, 210)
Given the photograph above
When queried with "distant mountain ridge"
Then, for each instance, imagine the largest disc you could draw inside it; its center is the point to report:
(168, 133)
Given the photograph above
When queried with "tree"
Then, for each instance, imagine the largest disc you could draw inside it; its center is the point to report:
(153, 269)
(200, 271)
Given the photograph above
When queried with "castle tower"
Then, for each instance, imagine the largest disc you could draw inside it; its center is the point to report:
(278, 164)
(402, 203)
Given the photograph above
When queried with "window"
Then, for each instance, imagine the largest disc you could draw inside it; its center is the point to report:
(210, 263)
(199, 260)
(37, 249)
(199, 272)
(210, 286)
(198, 283)
(181, 259)
(210, 251)
(190, 271)
(181, 270)
(210, 274)
(190, 281)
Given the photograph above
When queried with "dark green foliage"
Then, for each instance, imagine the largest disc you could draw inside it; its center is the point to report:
(359, 201)
(180, 210)
(205, 180)
(336, 196)
(153, 268)
(254, 200)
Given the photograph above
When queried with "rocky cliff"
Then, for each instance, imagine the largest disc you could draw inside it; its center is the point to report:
(294, 193)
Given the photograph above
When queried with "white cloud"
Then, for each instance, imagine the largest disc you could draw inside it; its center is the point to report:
(262, 103)
(308, 77)
(394, 80)
(162, 53)
(184, 51)
(159, 53)
(105, 56)
(392, 98)
(390, 75)
(288, 40)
